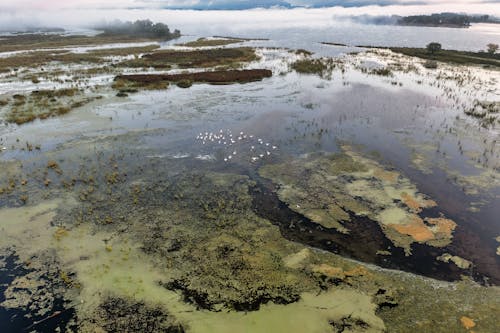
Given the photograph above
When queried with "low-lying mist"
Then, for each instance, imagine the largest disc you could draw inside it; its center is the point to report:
(193, 22)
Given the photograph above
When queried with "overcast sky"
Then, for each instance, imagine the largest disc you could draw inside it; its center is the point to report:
(16, 5)
(16, 14)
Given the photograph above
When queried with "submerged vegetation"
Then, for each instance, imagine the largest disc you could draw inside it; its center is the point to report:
(196, 254)
(42, 104)
(487, 111)
(329, 189)
(117, 219)
(321, 67)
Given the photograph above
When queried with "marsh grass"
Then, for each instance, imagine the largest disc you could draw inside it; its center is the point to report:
(321, 67)
(125, 86)
(430, 64)
(205, 42)
(42, 104)
(486, 112)
(161, 81)
(40, 58)
(381, 71)
(186, 83)
(194, 58)
(451, 56)
(43, 41)
(303, 52)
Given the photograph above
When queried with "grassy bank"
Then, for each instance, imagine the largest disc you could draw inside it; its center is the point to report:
(448, 56)
(39, 41)
(40, 58)
(205, 42)
(453, 56)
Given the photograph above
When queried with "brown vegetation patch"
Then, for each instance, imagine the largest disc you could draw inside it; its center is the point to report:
(321, 67)
(388, 176)
(42, 104)
(41, 41)
(125, 315)
(357, 271)
(415, 228)
(204, 42)
(329, 271)
(411, 202)
(215, 77)
(467, 322)
(39, 58)
(445, 226)
(194, 58)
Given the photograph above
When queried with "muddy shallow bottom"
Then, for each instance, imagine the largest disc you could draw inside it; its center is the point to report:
(226, 208)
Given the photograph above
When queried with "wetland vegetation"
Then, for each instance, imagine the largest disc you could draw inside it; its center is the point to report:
(201, 42)
(326, 193)
(212, 77)
(448, 56)
(227, 57)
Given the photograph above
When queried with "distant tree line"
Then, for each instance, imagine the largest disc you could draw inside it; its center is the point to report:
(443, 19)
(140, 28)
(453, 20)
(446, 20)
(435, 47)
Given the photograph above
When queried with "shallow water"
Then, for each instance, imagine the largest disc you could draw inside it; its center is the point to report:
(156, 137)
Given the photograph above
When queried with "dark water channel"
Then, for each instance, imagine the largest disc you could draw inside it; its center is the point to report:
(363, 241)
